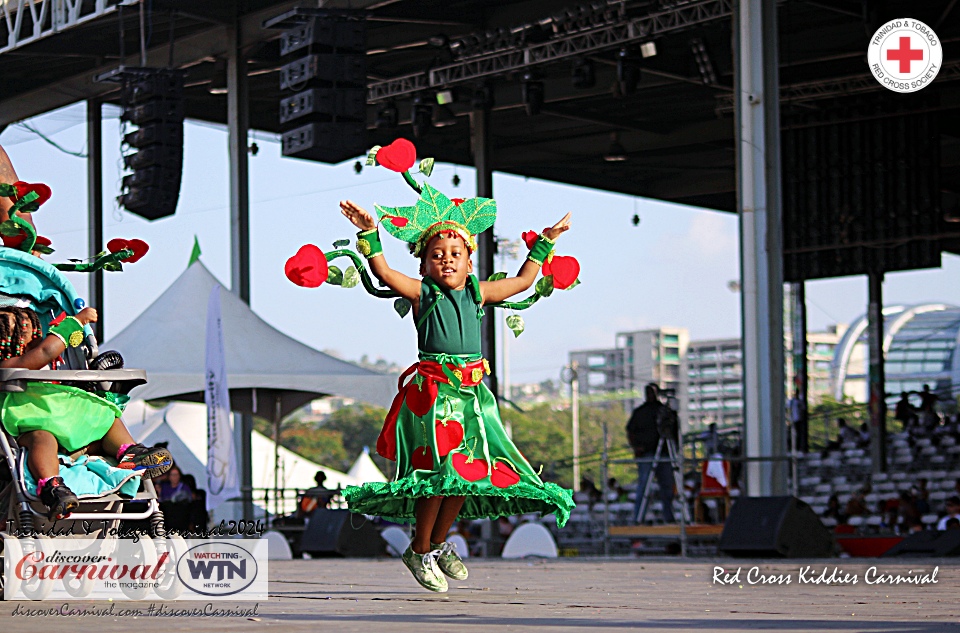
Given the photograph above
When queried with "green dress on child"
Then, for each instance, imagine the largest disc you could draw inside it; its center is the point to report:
(444, 428)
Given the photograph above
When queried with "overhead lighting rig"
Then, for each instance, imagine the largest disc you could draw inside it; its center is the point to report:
(607, 29)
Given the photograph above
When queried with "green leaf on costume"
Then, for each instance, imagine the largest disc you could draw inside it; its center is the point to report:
(576, 282)
(402, 306)
(426, 167)
(515, 323)
(497, 276)
(113, 266)
(40, 248)
(372, 155)
(7, 190)
(545, 286)
(477, 214)
(334, 276)
(350, 277)
(341, 243)
(10, 229)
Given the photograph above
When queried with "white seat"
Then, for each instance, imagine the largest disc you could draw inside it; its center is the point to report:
(828, 522)
(929, 519)
(530, 539)
(874, 521)
(277, 546)
(397, 540)
(855, 521)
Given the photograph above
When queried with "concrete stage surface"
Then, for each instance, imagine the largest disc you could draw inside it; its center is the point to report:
(564, 595)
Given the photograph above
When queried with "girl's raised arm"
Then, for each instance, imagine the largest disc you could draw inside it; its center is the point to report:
(406, 287)
(503, 289)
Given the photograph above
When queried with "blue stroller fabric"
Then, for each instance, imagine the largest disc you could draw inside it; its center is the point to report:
(88, 476)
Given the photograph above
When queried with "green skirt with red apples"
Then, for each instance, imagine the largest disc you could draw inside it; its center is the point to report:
(444, 432)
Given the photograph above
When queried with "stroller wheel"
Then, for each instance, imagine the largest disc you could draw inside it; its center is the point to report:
(107, 360)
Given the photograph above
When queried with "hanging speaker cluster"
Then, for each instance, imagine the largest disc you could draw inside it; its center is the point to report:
(153, 102)
(324, 75)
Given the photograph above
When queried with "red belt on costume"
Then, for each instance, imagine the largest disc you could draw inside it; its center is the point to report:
(420, 394)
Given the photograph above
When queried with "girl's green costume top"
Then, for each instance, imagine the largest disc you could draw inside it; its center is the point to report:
(444, 429)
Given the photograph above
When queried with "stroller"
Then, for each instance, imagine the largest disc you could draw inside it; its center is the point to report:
(27, 281)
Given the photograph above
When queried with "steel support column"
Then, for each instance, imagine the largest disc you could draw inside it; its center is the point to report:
(877, 384)
(761, 251)
(95, 209)
(482, 160)
(801, 379)
(238, 111)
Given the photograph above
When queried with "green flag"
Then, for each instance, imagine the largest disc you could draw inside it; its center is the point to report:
(195, 254)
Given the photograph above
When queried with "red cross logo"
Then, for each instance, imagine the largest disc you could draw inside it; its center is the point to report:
(905, 54)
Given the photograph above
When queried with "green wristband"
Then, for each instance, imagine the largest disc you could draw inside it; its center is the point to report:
(368, 243)
(541, 250)
(69, 331)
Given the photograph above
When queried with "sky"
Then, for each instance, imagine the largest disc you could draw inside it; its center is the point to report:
(673, 269)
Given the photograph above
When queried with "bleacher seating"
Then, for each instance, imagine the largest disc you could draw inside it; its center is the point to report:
(844, 472)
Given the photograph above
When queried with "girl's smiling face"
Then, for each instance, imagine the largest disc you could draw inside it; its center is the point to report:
(447, 261)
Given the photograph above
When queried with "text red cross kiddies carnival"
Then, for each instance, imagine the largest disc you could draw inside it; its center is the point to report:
(905, 54)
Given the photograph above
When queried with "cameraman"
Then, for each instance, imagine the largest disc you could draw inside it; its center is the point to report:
(643, 435)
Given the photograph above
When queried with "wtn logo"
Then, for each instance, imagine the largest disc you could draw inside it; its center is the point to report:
(224, 568)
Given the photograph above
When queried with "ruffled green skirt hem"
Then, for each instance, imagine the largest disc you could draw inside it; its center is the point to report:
(395, 501)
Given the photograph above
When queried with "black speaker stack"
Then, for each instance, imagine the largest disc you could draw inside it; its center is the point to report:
(152, 101)
(340, 533)
(324, 77)
(775, 527)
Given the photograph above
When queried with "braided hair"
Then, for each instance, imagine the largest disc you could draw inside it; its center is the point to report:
(12, 322)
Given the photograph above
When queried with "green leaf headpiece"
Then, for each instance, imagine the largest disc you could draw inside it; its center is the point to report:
(433, 212)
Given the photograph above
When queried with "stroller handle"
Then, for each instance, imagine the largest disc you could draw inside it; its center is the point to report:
(14, 379)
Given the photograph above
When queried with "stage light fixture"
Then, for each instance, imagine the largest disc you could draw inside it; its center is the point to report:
(445, 97)
(635, 220)
(218, 80)
(628, 73)
(616, 153)
(482, 97)
(357, 167)
(388, 116)
(648, 49)
(583, 75)
(531, 89)
(456, 180)
(443, 116)
(421, 117)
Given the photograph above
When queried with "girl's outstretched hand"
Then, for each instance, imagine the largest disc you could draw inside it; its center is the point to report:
(558, 229)
(359, 216)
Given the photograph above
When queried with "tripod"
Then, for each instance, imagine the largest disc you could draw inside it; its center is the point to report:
(676, 466)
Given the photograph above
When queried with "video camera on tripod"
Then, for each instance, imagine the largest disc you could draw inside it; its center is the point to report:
(668, 422)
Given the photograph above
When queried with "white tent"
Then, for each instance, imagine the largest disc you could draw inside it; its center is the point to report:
(364, 470)
(183, 425)
(267, 370)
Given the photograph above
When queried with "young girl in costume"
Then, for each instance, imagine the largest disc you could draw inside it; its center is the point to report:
(23, 345)
(454, 458)
(49, 417)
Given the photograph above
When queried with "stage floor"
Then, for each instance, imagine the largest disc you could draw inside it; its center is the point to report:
(565, 595)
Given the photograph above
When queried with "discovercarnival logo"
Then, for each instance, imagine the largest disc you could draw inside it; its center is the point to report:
(144, 569)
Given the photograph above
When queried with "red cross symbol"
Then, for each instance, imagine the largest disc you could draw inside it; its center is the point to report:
(905, 54)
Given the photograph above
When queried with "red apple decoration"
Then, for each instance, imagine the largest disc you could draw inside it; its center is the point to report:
(422, 458)
(565, 271)
(449, 436)
(469, 468)
(398, 156)
(420, 398)
(308, 268)
(503, 476)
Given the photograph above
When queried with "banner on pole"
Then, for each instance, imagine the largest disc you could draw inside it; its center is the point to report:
(222, 481)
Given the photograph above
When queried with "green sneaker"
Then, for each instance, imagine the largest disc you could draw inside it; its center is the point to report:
(424, 569)
(449, 562)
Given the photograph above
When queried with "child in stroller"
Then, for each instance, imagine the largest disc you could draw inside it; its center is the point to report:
(22, 345)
